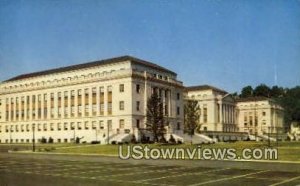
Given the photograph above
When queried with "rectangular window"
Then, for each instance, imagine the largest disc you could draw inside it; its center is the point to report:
(66, 94)
(251, 120)
(138, 89)
(51, 126)
(86, 125)
(178, 96)
(137, 105)
(109, 105)
(205, 115)
(101, 124)
(109, 88)
(178, 110)
(121, 87)
(138, 123)
(65, 126)
(58, 126)
(178, 126)
(79, 92)
(86, 92)
(79, 125)
(94, 125)
(72, 126)
(45, 127)
(27, 128)
(121, 123)
(86, 108)
(109, 124)
(121, 105)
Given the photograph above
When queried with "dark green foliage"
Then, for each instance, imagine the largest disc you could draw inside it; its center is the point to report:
(191, 116)
(155, 117)
(247, 92)
(133, 139)
(43, 140)
(289, 99)
(50, 140)
(262, 90)
(172, 140)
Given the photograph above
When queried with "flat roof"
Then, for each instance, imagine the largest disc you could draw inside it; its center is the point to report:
(258, 98)
(204, 87)
(92, 64)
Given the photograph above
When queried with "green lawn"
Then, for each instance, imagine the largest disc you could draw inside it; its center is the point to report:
(288, 151)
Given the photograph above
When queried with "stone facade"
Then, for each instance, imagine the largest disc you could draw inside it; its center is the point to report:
(95, 101)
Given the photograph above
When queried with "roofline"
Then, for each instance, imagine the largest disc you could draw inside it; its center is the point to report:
(204, 87)
(250, 99)
(90, 64)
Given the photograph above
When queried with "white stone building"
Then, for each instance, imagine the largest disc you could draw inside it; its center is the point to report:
(218, 116)
(261, 117)
(95, 101)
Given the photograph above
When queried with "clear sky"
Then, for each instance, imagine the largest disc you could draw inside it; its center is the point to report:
(228, 44)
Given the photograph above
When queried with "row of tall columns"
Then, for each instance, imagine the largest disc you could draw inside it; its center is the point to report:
(26, 105)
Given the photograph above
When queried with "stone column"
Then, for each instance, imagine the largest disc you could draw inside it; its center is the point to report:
(98, 100)
(90, 101)
(25, 107)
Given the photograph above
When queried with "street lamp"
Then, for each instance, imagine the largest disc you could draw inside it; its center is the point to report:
(107, 132)
(74, 134)
(33, 137)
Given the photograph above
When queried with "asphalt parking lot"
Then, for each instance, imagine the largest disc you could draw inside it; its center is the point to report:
(27, 170)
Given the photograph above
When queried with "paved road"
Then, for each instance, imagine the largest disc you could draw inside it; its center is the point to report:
(37, 169)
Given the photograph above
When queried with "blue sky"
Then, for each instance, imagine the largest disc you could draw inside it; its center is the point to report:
(228, 44)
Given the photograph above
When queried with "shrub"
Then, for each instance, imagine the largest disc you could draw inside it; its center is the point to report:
(50, 140)
(43, 140)
(163, 140)
(133, 139)
(172, 140)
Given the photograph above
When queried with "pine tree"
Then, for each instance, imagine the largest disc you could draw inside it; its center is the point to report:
(191, 116)
(155, 117)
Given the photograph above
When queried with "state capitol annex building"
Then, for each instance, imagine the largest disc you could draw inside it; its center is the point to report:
(106, 101)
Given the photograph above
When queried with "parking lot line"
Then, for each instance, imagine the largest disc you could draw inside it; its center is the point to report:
(285, 181)
(225, 179)
(178, 175)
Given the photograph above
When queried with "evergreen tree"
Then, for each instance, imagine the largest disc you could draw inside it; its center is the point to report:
(262, 90)
(191, 116)
(155, 117)
(247, 92)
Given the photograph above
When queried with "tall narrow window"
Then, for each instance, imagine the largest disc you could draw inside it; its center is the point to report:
(138, 89)
(178, 96)
(121, 104)
(205, 115)
(137, 105)
(121, 87)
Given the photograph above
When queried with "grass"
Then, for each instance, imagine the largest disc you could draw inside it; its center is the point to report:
(38, 146)
(287, 151)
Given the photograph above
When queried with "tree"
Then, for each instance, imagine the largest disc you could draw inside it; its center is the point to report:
(277, 92)
(155, 117)
(291, 104)
(247, 92)
(262, 90)
(50, 140)
(191, 116)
